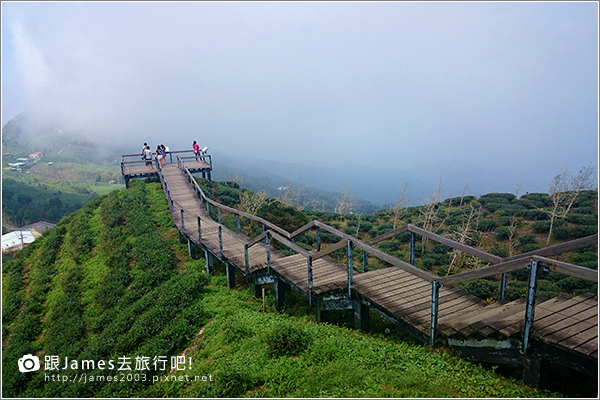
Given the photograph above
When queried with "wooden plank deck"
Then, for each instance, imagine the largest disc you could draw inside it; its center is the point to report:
(565, 322)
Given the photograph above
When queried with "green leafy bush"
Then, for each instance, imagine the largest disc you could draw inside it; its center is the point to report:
(287, 340)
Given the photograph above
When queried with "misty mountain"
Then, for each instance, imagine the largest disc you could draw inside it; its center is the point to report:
(379, 187)
(25, 134)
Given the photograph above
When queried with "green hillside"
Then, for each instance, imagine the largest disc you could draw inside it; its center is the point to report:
(111, 288)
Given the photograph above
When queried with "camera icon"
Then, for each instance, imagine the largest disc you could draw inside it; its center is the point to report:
(29, 363)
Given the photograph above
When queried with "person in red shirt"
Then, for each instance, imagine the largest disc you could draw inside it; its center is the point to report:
(196, 150)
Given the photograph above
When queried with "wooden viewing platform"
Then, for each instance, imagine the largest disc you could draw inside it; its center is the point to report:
(133, 166)
(561, 330)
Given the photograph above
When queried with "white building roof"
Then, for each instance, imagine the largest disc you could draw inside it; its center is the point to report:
(16, 239)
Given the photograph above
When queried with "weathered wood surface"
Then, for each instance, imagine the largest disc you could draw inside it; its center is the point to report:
(135, 169)
(569, 323)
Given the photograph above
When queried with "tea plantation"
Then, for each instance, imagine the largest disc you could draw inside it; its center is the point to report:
(113, 306)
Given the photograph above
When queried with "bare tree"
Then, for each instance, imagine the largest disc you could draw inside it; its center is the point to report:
(291, 198)
(430, 218)
(564, 190)
(465, 234)
(345, 203)
(463, 195)
(512, 243)
(251, 202)
(399, 208)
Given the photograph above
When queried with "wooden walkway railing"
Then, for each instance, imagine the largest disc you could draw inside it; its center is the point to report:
(424, 304)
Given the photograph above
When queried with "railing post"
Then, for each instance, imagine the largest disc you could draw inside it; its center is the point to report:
(239, 223)
(310, 279)
(199, 230)
(530, 310)
(246, 259)
(318, 238)
(503, 285)
(268, 242)
(435, 297)
(182, 222)
(365, 261)
(208, 208)
(411, 260)
(219, 209)
(220, 241)
(350, 266)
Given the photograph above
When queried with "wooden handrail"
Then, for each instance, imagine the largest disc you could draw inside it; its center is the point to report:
(484, 272)
(289, 243)
(329, 249)
(387, 235)
(272, 226)
(456, 245)
(568, 269)
(502, 265)
(560, 248)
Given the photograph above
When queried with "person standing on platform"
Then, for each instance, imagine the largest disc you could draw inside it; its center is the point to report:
(159, 156)
(144, 150)
(163, 151)
(148, 157)
(196, 150)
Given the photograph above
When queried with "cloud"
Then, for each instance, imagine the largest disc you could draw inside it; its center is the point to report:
(389, 84)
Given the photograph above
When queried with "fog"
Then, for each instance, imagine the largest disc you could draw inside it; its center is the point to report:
(489, 95)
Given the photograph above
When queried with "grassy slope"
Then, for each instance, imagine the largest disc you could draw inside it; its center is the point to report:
(111, 280)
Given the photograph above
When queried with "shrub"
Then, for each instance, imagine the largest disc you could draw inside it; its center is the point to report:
(583, 219)
(231, 381)
(486, 225)
(527, 239)
(482, 288)
(574, 232)
(526, 248)
(502, 233)
(287, 340)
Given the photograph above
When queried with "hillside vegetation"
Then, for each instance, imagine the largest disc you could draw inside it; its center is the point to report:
(112, 283)
(499, 223)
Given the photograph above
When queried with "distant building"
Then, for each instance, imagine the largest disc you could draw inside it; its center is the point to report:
(36, 156)
(16, 240)
(20, 164)
(40, 226)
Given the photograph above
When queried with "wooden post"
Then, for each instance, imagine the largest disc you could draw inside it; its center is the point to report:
(209, 262)
(219, 213)
(199, 230)
(182, 221)
(531, 370)
(350, 266)
(239, 224)
(191, 249)
(220, 241)
(361, 315)
(268, 240)
(246, 259)
(318, 238)
(230, 269)
(310, 279)
(365, 261)
(280, 290)
(435, 297)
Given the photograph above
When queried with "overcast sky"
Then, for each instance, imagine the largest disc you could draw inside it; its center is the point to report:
(509, 85)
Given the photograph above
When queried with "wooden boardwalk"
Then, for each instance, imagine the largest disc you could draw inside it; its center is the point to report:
(427, 306)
